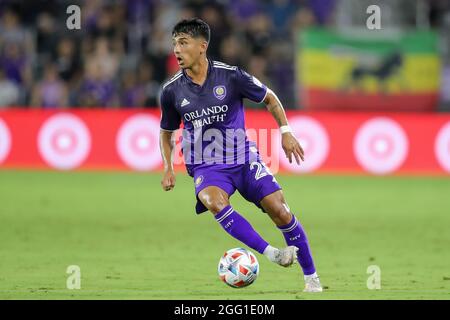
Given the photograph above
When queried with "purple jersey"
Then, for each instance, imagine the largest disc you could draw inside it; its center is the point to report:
(212, 114)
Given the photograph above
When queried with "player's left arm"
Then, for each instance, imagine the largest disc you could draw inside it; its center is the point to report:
(289, 142)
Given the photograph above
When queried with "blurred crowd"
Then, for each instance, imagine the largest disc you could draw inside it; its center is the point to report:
(123, 51)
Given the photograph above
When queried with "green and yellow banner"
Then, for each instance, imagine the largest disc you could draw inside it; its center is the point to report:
(367, 72)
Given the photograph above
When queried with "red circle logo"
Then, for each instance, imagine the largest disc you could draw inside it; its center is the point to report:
(64, 141)
(137, 142)
(380, 145)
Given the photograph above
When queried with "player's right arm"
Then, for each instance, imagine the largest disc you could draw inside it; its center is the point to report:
(167, 145)
(170, 121)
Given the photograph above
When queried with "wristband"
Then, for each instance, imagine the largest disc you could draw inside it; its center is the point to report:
(285, 129)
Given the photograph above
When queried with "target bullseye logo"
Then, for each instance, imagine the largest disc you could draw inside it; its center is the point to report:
(64, 141)
(137, 142)
(314, 140)
(380, 145)
(142, 142)
(5, 140)
(442, 147)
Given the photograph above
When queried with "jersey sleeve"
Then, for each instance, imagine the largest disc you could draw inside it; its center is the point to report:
(170, 118)
(250, 87)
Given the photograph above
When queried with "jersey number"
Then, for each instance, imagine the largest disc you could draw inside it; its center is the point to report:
(259, 174)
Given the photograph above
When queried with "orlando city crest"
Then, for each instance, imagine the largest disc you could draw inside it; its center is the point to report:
(220, 92)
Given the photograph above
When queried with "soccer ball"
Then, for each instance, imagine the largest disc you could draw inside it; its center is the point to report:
(238, 268)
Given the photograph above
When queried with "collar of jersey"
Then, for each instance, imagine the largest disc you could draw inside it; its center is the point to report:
(210, 67)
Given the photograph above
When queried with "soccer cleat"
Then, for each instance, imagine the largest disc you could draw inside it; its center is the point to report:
(287, 256)
(312, 284)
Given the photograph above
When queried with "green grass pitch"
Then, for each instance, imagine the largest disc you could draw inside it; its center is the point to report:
(131, 240)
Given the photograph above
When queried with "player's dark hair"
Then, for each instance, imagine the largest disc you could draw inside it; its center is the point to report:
(194, 27)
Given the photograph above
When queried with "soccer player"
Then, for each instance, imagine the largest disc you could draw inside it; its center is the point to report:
(207, 97)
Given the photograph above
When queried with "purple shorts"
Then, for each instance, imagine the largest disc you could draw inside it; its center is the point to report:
(253, 180)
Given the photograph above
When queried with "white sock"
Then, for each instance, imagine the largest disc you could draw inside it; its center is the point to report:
(270, 252)
(311, 276)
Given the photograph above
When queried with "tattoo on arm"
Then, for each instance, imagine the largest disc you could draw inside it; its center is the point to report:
(275, 110)
(275, 107)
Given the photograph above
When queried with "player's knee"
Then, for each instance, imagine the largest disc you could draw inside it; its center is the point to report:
(218, 203)
(217, 207)
(214, 201)
(281, 215)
